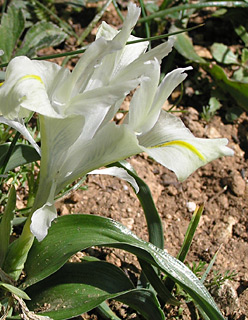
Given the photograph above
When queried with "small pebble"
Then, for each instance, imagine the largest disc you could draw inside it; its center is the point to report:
(191, 206)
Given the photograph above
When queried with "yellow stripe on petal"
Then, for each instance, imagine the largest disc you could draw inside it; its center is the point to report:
(32, 76)
(1, 84)
(181, 143)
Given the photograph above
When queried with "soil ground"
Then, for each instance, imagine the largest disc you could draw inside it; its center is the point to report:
(221, 186)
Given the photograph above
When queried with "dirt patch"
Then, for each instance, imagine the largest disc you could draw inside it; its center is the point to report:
(221, 186)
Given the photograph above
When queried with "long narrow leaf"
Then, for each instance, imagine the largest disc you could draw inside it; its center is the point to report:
(5, 224)
(72, 233)
(154, 223)
(169, 283)
(79, 287)
(190, 233)
(20, 155)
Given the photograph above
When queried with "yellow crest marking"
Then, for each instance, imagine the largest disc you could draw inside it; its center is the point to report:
(181, 144)
(32, 76)
(28, 76)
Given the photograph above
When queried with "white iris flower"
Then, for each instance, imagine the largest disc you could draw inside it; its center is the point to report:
(75, 110)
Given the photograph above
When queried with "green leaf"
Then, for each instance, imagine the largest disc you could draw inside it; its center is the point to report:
(244, 56)
(241, 75)
(5, 225)
(157, 284)
(14, 290)
(184, 46)
(154, 223)
(21, 155)
(79, 287)
(72, 233)
(12, 26)
(223, 54)
(188, 238)
(187, 241)
(242, 33)
(42, 34)
(238, 90)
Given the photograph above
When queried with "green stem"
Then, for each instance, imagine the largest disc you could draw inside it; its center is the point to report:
(118, 10)
(163, 13)
(165, 4)
(71, 53)
(143, 10)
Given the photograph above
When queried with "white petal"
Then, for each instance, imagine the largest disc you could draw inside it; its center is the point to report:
(145, 105)
(169, 83)
(106, 31)
(98, 51)
(25, 87)
(141, 117)
(136, 68)
(112, 62)
(94, 105)
(22, 129)
(112, 143)
(119, 173)
(45, 211)
(42, 219)
(174, 146)
(57, 137)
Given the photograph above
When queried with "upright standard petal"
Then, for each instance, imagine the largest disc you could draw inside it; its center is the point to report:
(170, 143)
(140, 115)
(98, 53)
(136, 68)
(147, 101)
(112, 62)
(130, 52)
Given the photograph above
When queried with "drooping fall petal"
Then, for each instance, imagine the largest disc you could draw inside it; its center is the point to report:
(170, 143)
